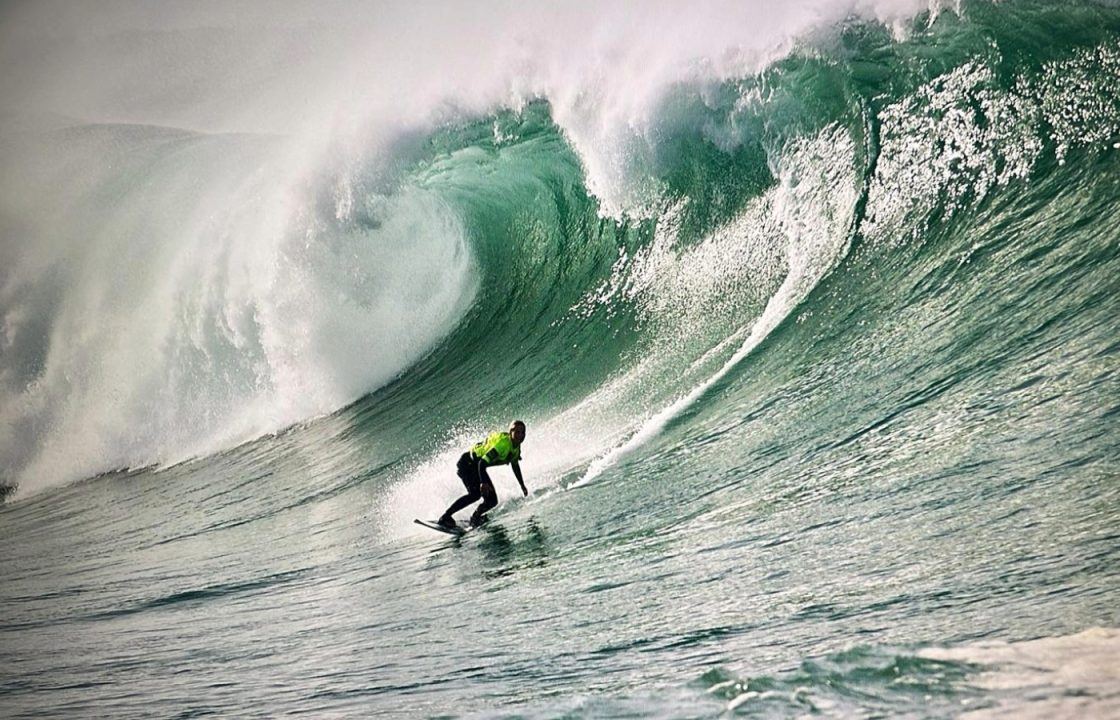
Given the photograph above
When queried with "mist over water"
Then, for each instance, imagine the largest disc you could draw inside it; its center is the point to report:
(809, 310)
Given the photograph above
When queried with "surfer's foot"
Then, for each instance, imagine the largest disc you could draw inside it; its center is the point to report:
(447, 522)
(477, 520)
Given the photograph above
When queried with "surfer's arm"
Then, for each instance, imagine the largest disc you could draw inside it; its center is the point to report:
(483, 476)
(520, 480)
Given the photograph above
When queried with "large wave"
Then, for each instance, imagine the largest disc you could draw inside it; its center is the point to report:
(582, 216)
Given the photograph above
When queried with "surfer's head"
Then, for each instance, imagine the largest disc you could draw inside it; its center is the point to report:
(517, 431)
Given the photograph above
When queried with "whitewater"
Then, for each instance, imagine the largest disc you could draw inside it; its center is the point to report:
(810, 311)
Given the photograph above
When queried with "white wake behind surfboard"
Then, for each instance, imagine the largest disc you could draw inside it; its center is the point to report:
(436, 526)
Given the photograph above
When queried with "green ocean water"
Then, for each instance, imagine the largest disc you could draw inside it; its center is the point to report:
(825, 424)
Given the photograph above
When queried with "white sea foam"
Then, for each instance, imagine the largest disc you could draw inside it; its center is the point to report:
(209, 305)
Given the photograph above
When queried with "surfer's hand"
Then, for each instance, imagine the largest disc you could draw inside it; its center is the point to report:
(524, 491)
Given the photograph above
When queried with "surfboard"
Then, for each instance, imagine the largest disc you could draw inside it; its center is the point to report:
(436, 526)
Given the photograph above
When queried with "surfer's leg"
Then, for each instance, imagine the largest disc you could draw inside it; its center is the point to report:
(468, 499)
(489, 500)
(467, 470)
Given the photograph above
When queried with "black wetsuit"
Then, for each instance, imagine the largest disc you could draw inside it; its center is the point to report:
(472, 471)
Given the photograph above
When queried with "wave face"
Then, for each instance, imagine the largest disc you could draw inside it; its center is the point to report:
(810, 314)
(171, 293)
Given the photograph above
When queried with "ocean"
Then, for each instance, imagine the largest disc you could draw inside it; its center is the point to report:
(811, 314)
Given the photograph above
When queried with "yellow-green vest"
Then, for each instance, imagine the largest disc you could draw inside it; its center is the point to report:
(497, 449)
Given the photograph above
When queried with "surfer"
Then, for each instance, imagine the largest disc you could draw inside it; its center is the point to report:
(499, 448)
